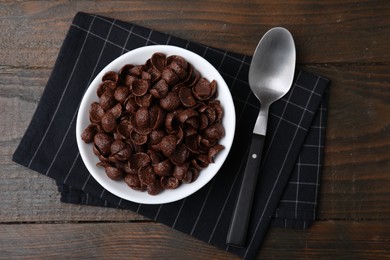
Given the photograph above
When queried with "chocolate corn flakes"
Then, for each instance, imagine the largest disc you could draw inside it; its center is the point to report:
(156, 125)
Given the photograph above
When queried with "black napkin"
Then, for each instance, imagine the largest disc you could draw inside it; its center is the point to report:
(288, 183)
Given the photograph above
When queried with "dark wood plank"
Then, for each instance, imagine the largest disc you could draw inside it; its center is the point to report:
(326, 239)
(24, 83)
(355, 182)
(103, 241)
(27, 196)
(330, 240)
(325, 32)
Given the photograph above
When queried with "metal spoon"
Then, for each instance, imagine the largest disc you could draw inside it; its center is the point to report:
(270, 77)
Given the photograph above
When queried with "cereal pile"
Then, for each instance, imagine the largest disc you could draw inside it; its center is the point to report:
(156, 125)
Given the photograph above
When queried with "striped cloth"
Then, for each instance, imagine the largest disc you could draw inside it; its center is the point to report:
(288, 183)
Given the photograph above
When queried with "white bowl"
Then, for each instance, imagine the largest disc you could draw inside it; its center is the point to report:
(120, 188)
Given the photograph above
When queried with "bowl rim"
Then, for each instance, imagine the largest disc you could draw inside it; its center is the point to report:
(139, 56)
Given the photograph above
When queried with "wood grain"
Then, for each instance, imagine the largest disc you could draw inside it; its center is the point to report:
(347, 41)
(325, 240)
(325, 31)
(102, 241)
(355, 181)
(330, 240)
(30, 197)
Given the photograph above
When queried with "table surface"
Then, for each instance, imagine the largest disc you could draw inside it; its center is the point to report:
(346, 41)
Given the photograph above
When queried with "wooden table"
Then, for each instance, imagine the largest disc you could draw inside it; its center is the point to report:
(346, 41)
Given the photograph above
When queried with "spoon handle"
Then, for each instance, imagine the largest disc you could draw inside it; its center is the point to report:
(240, 221)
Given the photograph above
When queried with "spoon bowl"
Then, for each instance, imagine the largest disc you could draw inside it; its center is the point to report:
(271, 71)
(271, 65)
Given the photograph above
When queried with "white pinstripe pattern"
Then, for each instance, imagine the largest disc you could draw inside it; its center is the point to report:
(148, 39)
(138, 208)
(201, 210)
(298, 201)
(226, 200)
(99, 37)
(86, 181)
(62, 97)
(309, 164)
(303, 183)
(313, 145)
(312, 92)
(278, 176)
(224, 74)
(297, 191)
(178, 213)
(94, 70)
(296, 105)
(61, 144)
(89, 81)
(287, 121)
(127, 39)
(71, 167)
(223, 59)
(315, 167)
(158, 212)
(319, 160)
(74, 115)
(318, 127)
